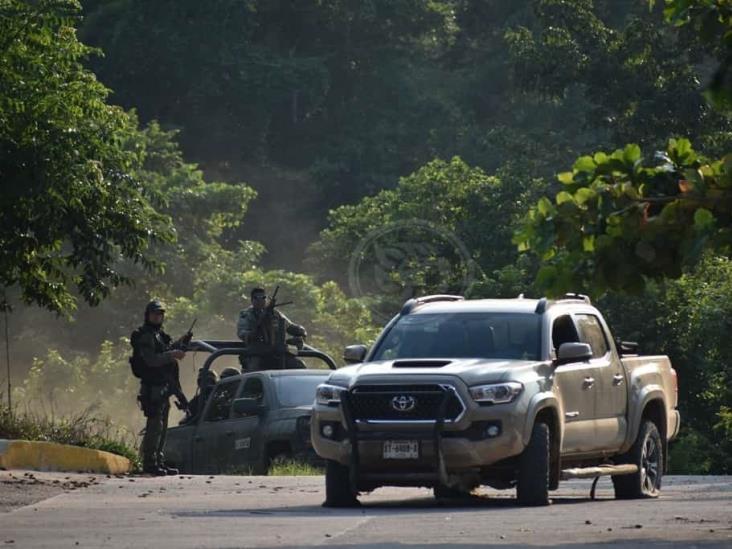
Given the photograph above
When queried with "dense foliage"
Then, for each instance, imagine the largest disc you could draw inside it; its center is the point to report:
(622, 219)
(70, 205)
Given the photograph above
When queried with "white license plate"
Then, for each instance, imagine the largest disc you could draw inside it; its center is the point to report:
(401, 449)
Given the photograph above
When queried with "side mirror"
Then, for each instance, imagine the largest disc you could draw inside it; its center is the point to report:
(355, 353)
(573, 352)
(248, 407)
(626, 348)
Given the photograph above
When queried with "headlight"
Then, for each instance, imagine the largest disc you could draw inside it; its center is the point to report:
(497, 393)
(329, 395)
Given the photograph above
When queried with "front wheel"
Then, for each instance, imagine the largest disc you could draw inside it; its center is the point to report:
(532, 487)
(338, 492)
(647, 454)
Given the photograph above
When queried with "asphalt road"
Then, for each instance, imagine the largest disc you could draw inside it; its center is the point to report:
(228, 511)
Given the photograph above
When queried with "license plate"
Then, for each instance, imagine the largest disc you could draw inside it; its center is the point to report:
(401, 449)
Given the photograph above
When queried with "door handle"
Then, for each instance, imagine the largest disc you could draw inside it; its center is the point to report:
(588, 383)
(618, 379)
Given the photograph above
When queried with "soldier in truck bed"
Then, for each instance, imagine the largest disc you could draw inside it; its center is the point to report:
(258, 328)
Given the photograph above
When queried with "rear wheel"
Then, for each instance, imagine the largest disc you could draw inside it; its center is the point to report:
(338, 492)
(647, 454)
(534, 465)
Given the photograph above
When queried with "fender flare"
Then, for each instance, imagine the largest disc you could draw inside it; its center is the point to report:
(635, 412)
(538, 403)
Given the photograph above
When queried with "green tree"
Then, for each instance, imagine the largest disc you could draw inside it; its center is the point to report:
(711, 21)
(443, 212)
(621, 219)
(321, 85)
(70, 208)
(640, 77)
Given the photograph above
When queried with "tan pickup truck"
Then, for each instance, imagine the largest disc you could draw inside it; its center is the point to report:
(506, 393)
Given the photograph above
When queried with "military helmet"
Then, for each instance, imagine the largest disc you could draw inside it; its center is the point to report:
(229, 372)
(155, 306)
(209, 377)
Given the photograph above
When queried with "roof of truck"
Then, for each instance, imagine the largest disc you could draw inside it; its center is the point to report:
(455, 304)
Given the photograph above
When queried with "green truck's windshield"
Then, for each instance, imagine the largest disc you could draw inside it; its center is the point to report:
(463, 335)
(297, 390)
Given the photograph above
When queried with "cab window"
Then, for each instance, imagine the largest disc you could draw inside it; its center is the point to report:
(591, 332)
(221, 400)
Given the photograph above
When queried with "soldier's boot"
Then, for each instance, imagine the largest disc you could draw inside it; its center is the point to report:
(154, 470)
(170, 470)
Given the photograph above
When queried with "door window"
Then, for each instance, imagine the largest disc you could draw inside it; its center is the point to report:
(564, 331)
(221, 401)
(591, 332)
(253, 389)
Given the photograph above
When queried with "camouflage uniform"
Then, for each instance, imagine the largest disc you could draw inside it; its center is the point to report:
(255, 331)
(151, 350)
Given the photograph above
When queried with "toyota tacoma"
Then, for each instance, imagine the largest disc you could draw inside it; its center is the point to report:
(508, 393)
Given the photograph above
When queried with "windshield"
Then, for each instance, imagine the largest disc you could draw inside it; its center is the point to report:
(462, 335)
(297, 390)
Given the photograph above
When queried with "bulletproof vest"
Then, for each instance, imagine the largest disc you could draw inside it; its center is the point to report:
(139, 368)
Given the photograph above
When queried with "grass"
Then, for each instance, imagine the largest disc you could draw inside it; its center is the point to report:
(291, 467)
(81, 429)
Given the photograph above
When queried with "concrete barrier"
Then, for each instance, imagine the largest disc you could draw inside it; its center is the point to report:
(50, 456)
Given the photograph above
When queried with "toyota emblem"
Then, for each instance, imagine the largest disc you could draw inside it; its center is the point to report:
(403, 403)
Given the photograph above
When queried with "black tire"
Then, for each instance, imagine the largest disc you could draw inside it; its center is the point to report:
(338, 491)
(647, 454)
(532, 486)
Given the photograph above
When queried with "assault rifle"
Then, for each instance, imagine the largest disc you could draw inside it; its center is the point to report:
(181, 402)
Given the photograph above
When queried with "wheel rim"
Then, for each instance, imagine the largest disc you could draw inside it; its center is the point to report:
(650, 465)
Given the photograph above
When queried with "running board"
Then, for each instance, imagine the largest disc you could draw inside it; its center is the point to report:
(599, 471)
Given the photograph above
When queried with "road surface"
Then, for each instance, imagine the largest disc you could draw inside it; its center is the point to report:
(235, 511)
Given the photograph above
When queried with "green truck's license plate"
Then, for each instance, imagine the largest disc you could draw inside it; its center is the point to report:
(401, 449)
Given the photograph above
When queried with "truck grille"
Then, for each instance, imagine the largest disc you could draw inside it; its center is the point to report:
(403, 403)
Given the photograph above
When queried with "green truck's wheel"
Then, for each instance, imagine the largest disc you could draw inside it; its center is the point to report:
(647, 454)
(338, 491)
(534, 466)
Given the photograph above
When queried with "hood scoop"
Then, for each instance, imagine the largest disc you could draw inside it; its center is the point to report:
(420, 363)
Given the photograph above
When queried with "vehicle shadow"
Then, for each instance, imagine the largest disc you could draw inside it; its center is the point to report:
(626, 544)
(408, 506)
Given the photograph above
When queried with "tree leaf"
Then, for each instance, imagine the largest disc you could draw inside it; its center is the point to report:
(567, 178)
(584, 164)
(703, 219)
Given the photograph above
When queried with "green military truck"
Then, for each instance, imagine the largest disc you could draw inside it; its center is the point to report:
(248, 420)
(514, 393)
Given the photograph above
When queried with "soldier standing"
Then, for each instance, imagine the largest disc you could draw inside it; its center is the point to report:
(155, 361)
(258, 328)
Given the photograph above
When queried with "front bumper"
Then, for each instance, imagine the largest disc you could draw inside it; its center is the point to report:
(444, 448)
